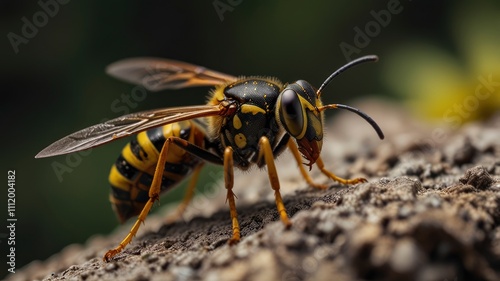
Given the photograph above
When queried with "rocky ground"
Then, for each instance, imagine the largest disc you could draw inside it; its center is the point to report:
(430, 211)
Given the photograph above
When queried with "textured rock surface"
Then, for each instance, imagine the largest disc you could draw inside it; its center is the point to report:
(430, 211)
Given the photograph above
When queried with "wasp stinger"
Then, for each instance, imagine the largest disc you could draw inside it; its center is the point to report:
(247, 121)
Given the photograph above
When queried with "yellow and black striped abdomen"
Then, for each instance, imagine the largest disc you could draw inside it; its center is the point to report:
(132, 173)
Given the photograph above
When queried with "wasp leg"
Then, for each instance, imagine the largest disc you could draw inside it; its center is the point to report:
(154, 194)
(267, 152)
(196, 150)
(154, 190)
(188, 196)
(229, 182)
(296, 154)
(329, 174)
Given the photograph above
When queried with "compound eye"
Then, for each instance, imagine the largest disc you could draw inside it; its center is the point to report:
(292, 113)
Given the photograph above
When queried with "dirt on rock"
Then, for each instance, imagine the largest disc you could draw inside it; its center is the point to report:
(429, 211)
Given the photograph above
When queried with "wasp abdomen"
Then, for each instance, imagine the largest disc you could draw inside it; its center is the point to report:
(132, 174)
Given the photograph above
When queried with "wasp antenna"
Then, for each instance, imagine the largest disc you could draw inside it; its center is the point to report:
(343, 68)
(358, 112)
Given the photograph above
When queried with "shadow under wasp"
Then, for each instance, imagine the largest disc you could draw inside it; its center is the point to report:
(247, 121)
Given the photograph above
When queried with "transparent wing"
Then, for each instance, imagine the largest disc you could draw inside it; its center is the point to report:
(157, 74)
(125, 126)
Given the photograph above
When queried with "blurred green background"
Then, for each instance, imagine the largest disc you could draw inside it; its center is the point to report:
(53, 83)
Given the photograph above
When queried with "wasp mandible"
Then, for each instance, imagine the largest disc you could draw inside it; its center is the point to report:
(247, 121)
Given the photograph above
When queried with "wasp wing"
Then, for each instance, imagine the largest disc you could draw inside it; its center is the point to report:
(125, 126)
(157, 74)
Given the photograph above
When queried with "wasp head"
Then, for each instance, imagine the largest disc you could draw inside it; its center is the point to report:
(298, 113)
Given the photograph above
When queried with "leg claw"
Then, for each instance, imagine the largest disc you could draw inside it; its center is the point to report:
(233, 241)
(110, 254)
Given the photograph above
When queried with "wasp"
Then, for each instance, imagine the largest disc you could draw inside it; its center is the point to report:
(247, 121)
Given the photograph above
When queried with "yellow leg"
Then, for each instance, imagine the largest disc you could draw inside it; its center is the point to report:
(296, 154)
(229, 183)
(154, 194)
(188, 196)
(267, 152)
(329, 174)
